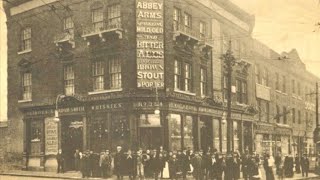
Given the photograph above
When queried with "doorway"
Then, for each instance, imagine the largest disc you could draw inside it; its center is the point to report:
(71, 139)
(206, 133)
(150, 137)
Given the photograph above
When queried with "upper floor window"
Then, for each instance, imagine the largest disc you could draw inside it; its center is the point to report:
(97, 18)
(177, 74)
(265, 77)
(27, 86)
(68, 79)
(203, 29)
(114, 15)
(176, 18)
(187, 20)
(183, 76)
(284, 82)
(277, 114)
(299, 117)
(225, 87)
(257, 74)
(277, 82)
(293, 86)
(284, 115)
(115, 72)
(242, 96)
(293, 115)
(203, 81)
(98, 75)
(26, 39)
(68, 24)
(188, 77)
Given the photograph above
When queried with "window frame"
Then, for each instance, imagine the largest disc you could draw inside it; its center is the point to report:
(203, 81)
(98, 75)
(114, 73)
(187, 77)
(177, 74)
(97, 18)
(203, 29)
(26, 39)
(114, 15)
(26, 84)
(187, 21)
(242, 91)
(176, 18)
(69, 79)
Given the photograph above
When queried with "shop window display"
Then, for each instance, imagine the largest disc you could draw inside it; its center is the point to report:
(188, 133)
(216, 140)
(175, 131)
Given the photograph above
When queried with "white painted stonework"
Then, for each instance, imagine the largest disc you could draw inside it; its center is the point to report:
(27, 6)
(222, 12)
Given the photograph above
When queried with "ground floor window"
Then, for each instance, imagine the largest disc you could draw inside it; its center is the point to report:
(181, 132)
(36, 130)
(216, 134)
(120, 130)
(175, 131)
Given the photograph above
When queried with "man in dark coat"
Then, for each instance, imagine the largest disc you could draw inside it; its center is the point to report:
(173, 167)
(60, 161)
(155, 164)
(228, 175)
(288, 166)
(245, 165)
(85, 165)
(206, 160)
(162, 159)
(77, 160)
(117, 162)
(236, 166)
(128, 165)
(305, 165)
(197, 166)
(297, 164)
(277, 162)
(185, 163)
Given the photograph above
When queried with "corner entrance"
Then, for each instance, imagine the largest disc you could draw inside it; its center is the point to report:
(150, 131)
(71, 139)
(150, 138)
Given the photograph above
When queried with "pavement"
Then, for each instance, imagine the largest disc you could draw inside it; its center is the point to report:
(77, 175)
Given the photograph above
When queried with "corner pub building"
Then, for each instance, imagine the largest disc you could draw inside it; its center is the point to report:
(135, 73)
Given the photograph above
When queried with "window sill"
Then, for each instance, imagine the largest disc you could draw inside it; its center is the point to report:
(24, 100)
(185, 92)
(24, 51)
(104, 91)
(3, 124)
(241, 104)
(280, 92)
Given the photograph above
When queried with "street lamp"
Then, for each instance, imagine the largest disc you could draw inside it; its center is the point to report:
(56, 112)
(157, 110)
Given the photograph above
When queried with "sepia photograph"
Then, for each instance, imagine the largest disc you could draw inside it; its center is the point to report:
(159, 89)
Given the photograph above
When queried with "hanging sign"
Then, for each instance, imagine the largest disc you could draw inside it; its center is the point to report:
(150, 43)
(51, 136)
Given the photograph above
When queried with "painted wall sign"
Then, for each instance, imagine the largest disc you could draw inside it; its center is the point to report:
(150, 43)
(107, 106)
(40, 112)
(51, 136)
(263, 92)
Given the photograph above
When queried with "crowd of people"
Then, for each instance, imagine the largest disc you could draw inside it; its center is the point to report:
(159, 163)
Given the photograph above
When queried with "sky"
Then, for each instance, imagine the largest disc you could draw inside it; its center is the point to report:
(286, 24)
(280, 24)
(3, 66)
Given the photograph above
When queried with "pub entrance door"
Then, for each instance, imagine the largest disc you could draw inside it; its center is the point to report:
(150, 137)
(71, 139)
(206, 133)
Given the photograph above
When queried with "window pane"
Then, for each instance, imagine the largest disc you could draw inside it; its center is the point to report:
(175, 131)
(26, 86)
(187, 130)
(115, 72)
